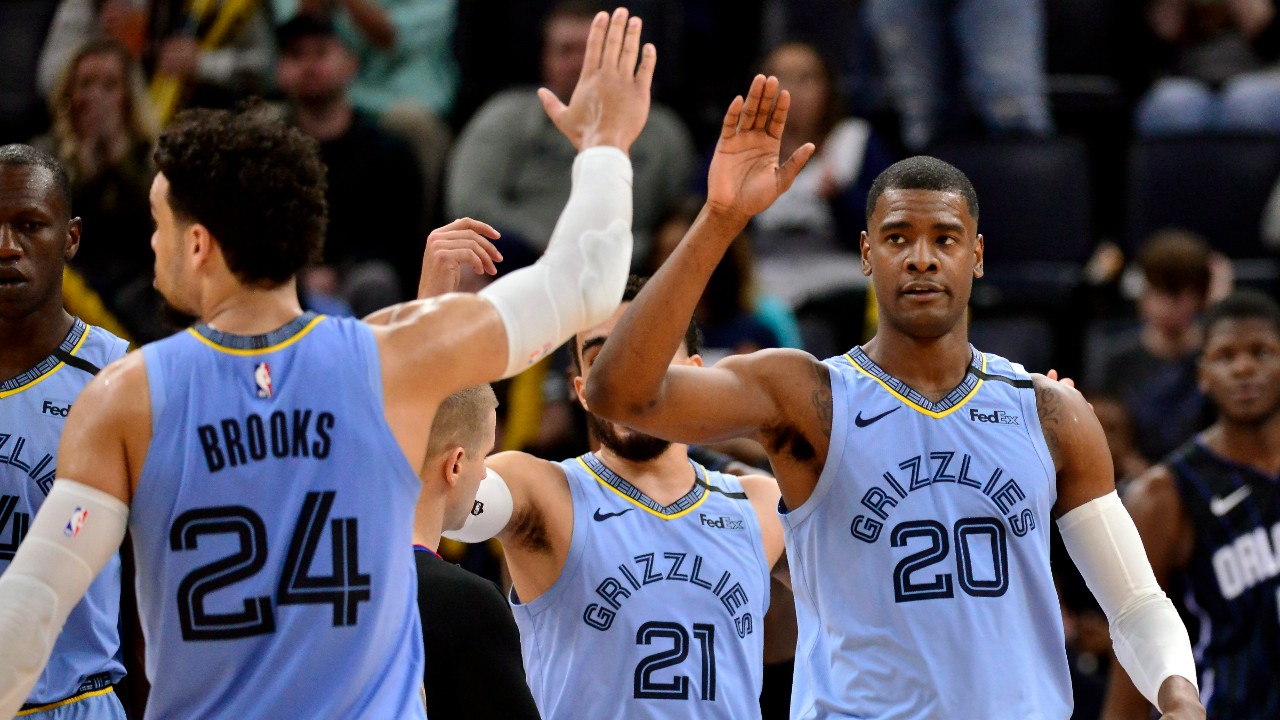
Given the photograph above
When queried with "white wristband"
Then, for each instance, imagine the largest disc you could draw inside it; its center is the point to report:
(490, 512)
(1147, 635)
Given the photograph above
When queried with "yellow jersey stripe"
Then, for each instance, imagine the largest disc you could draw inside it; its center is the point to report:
(910, 403)
(259, 351)
(87, 329)
(68, 701)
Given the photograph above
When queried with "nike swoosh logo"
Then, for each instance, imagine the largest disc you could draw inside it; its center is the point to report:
(605, 516)
(863, 422)
(1220, 506)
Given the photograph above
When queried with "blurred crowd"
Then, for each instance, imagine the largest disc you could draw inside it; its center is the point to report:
(1126, 156)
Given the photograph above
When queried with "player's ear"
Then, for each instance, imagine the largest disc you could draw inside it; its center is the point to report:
(73, 239)
(453, 465)
(580, 389)
(979, 247)
(864, 248)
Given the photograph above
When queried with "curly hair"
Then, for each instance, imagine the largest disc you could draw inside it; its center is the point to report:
(256, 183)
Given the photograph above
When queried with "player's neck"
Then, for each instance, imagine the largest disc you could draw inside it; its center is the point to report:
(244, 310)
(428, 517)
(932, 367)
(1256, 445)
(665, 479)
(25, 341)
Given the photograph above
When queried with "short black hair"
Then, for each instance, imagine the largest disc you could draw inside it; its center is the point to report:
(636, 283)
(1243, 305)
(18, 154)
(304, 25)
(923, 172)
(256, 183)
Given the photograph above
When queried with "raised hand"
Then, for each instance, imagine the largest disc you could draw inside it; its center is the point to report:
(463, 242)
(745, 176)
(610, 103)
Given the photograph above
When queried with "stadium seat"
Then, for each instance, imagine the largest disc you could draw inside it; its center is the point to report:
(1214, 185)
(1036, 215)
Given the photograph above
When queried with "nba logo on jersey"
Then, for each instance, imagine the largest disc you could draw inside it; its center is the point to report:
(262, 376)
(76, 522)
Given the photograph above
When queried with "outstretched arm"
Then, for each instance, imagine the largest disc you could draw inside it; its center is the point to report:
(1149, 638)
(632, 381)
(579, 279)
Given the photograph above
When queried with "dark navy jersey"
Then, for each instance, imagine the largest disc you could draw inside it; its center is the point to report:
(1232, 581)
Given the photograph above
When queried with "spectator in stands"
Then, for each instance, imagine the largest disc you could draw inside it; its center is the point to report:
(79, 21)
(733, 315)
(1155, 374)
(212, 58)
(511, 166)
(404, 49)
(1221, 74)
(807, 241)
(103, 130)
(373, 247)
(1001, 56)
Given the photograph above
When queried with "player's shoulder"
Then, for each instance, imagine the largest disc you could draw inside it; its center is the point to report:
(118, 393)
(776, 364)
(760, 487)
(517, 466)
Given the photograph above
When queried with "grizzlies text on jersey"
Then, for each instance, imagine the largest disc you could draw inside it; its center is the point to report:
(920, 564)
(657, 612)
(33, 410)
(272, 526)
(1232, 581)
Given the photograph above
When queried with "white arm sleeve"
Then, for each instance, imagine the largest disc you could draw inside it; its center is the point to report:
(73, 536)
(1147, 635)
(490, 512)
(578, 281)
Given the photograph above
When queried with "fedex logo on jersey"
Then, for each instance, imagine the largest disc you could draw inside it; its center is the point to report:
(722, 523)
(75, 522)
(55, 408)
(262, 377)
(995, 417)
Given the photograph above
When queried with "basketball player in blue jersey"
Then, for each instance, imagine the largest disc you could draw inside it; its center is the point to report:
(640, 578)
(46, 359)
(1209, 515)
(265, 461)
(918, 475)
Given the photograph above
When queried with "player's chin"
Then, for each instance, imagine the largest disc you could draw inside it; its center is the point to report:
(928, 322)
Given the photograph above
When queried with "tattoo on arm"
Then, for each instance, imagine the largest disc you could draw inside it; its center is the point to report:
(1049, 407)
(822, 402)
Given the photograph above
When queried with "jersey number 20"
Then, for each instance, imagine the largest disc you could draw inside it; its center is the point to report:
(345, 587)
(968, 534)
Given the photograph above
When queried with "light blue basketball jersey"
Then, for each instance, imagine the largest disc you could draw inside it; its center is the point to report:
(272, 527)
(658, 611)
(920, 564)
(33, 410)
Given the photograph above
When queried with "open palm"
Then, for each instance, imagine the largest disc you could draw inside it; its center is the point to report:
(745, 177)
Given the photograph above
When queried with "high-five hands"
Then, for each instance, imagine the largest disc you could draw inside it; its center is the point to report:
(610, 104)
(461, 243)
(745, 176)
